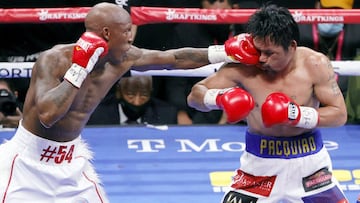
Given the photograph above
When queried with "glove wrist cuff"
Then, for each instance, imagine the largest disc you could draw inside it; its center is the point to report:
(210, 99)
(217, 54)
(76, 75)
(309, 117)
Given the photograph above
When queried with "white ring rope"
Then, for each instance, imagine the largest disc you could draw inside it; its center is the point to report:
(23, 70)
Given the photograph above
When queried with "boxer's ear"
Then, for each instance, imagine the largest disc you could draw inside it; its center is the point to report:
(105, 33)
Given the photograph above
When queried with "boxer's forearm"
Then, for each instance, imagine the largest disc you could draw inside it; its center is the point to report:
(54, 103)
(182, 58)
(190, 57)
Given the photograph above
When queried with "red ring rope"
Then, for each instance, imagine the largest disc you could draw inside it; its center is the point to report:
(146, 15)
(43, 15)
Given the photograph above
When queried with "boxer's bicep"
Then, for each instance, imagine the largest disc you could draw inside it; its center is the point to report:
(52, 94)
(47, 76)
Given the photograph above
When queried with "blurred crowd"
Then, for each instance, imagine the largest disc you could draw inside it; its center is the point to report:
(162, 99)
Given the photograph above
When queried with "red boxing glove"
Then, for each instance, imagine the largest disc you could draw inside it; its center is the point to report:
(86, 53)
(278, 108)
(236, 102)
(238, 49)
(241, 48)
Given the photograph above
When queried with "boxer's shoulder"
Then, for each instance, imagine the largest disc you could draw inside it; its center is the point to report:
(59, 51)
(308, 54)
(57, 57)
(134, 53)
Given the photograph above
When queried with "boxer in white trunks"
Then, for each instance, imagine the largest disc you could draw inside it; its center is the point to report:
(285, 94)
(46, 160)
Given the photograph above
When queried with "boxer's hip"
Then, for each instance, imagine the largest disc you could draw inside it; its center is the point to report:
(43, 151)
(284, 147)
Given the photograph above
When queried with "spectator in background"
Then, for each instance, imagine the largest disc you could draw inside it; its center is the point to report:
(134, 104)
(176, 89)
(336, 40)
(164, 36)
(10, 108)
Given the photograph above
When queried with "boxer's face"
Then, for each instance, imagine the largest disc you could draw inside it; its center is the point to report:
(273, 57)
(120, 39)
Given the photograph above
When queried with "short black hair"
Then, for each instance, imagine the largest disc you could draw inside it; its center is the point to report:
(274, 22)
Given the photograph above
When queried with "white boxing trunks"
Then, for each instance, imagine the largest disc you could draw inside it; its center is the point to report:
(285, 170)
(34, 169)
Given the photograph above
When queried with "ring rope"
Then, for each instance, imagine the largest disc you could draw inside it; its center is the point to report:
(43, 15)
(23, 70)
(148, 15)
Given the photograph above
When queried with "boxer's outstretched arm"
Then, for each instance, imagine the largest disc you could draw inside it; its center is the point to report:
(182, 58)
(238, 49)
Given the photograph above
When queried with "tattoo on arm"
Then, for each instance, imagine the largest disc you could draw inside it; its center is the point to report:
(335, 88)
(196, 55)
(332, 76)
(60, 100)
(333, 82)
(329, 65)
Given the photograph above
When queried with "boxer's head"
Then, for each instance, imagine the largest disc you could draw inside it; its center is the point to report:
(275, 23)
(113, 23)
(275, 34)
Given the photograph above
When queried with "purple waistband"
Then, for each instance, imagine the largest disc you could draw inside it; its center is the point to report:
(284, 147)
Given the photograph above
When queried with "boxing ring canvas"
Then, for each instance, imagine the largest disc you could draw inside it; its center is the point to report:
(192, 163)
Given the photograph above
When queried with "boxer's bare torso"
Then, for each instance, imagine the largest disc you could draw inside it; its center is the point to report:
(55, 109)
(47, 77)
(308, 79)
(76, 105)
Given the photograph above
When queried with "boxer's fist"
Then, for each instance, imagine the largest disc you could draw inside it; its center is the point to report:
(238, 49)
(88, 49)
(236, 102)
(278, 108)
(86, 53)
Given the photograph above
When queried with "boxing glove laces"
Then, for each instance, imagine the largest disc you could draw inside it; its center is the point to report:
(86, 53)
